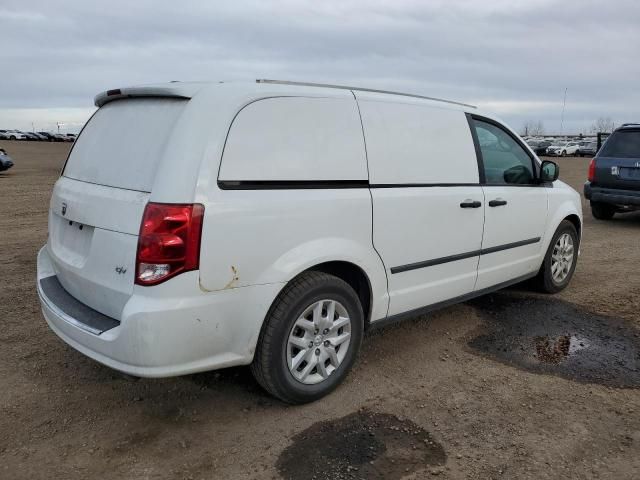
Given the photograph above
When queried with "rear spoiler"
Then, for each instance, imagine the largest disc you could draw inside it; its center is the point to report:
(136, 92)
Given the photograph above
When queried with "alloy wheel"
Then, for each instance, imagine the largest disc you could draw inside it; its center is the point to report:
(319, 341)
(562, 258)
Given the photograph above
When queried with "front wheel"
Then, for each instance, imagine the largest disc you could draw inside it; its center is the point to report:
(310, 338)
(560, 260)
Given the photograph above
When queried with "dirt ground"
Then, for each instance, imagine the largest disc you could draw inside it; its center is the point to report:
(512, 385)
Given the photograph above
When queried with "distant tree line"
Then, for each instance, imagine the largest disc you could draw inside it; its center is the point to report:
(533, 128)
(603, 124)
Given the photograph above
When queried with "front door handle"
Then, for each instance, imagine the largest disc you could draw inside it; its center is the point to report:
(498, 202)
(468, 203)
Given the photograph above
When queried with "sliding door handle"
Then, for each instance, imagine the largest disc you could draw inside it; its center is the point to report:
(498, 202)
(468, 203)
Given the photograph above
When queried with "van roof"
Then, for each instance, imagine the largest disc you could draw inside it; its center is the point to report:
(361, 89)
(177, 89)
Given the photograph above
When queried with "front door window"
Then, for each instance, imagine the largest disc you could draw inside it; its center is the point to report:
(505, 160)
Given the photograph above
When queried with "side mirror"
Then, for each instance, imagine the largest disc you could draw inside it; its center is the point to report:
(549, 171)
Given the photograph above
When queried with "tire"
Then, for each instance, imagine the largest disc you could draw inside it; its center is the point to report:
(270, 365)
(564, 153)
(602, 211)
(12, 137)
(545, 280)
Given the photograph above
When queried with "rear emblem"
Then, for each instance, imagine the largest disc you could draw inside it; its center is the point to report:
(121, 270)
(64, 209)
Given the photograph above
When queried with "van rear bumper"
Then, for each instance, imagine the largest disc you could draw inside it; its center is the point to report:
(171, 329)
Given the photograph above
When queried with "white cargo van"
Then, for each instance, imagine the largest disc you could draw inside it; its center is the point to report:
(197, 226)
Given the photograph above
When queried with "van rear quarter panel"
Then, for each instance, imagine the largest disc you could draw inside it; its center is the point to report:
(190, 165)
(268, 236)
(253, 237)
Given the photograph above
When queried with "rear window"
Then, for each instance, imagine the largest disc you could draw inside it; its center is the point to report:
(123, 142)
(623, 143)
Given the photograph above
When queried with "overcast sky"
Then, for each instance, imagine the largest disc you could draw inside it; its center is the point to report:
(513, 57)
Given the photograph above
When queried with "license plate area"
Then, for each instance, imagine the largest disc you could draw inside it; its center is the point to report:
(70, 241)
(629, 173)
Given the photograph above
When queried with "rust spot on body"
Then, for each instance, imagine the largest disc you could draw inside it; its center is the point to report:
(234, 278)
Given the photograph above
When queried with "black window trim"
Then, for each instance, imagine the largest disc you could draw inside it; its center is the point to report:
(476, 145)
(326, 184)
(483, 181)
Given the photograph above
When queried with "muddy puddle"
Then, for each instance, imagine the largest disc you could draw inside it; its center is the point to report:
(363, 445)
(550, 336)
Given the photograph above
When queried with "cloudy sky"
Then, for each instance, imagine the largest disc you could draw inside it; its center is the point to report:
(513, 57)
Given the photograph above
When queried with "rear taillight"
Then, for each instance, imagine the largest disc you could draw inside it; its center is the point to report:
(592, 170)
(169, 241)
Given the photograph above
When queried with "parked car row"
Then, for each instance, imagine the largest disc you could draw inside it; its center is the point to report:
(539, 146)
(563, 148)
(37, 136)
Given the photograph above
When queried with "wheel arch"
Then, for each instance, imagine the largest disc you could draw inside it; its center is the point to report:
(575, 220)
(351, 273)
(562, 206)
(355, 276)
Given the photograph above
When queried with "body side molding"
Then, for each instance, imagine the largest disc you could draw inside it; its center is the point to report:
(462, 256)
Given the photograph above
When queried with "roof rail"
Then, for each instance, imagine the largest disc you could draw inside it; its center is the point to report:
(631, 123)
(371, 90)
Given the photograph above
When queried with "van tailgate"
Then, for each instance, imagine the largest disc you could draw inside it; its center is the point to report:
(93, 237)
(98, 202)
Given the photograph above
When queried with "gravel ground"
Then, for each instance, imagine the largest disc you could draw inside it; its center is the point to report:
(513, 385)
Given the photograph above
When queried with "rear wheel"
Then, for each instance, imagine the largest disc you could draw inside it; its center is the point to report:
(602, 211)
(310, 338)
(560, 260)
(564, 153)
